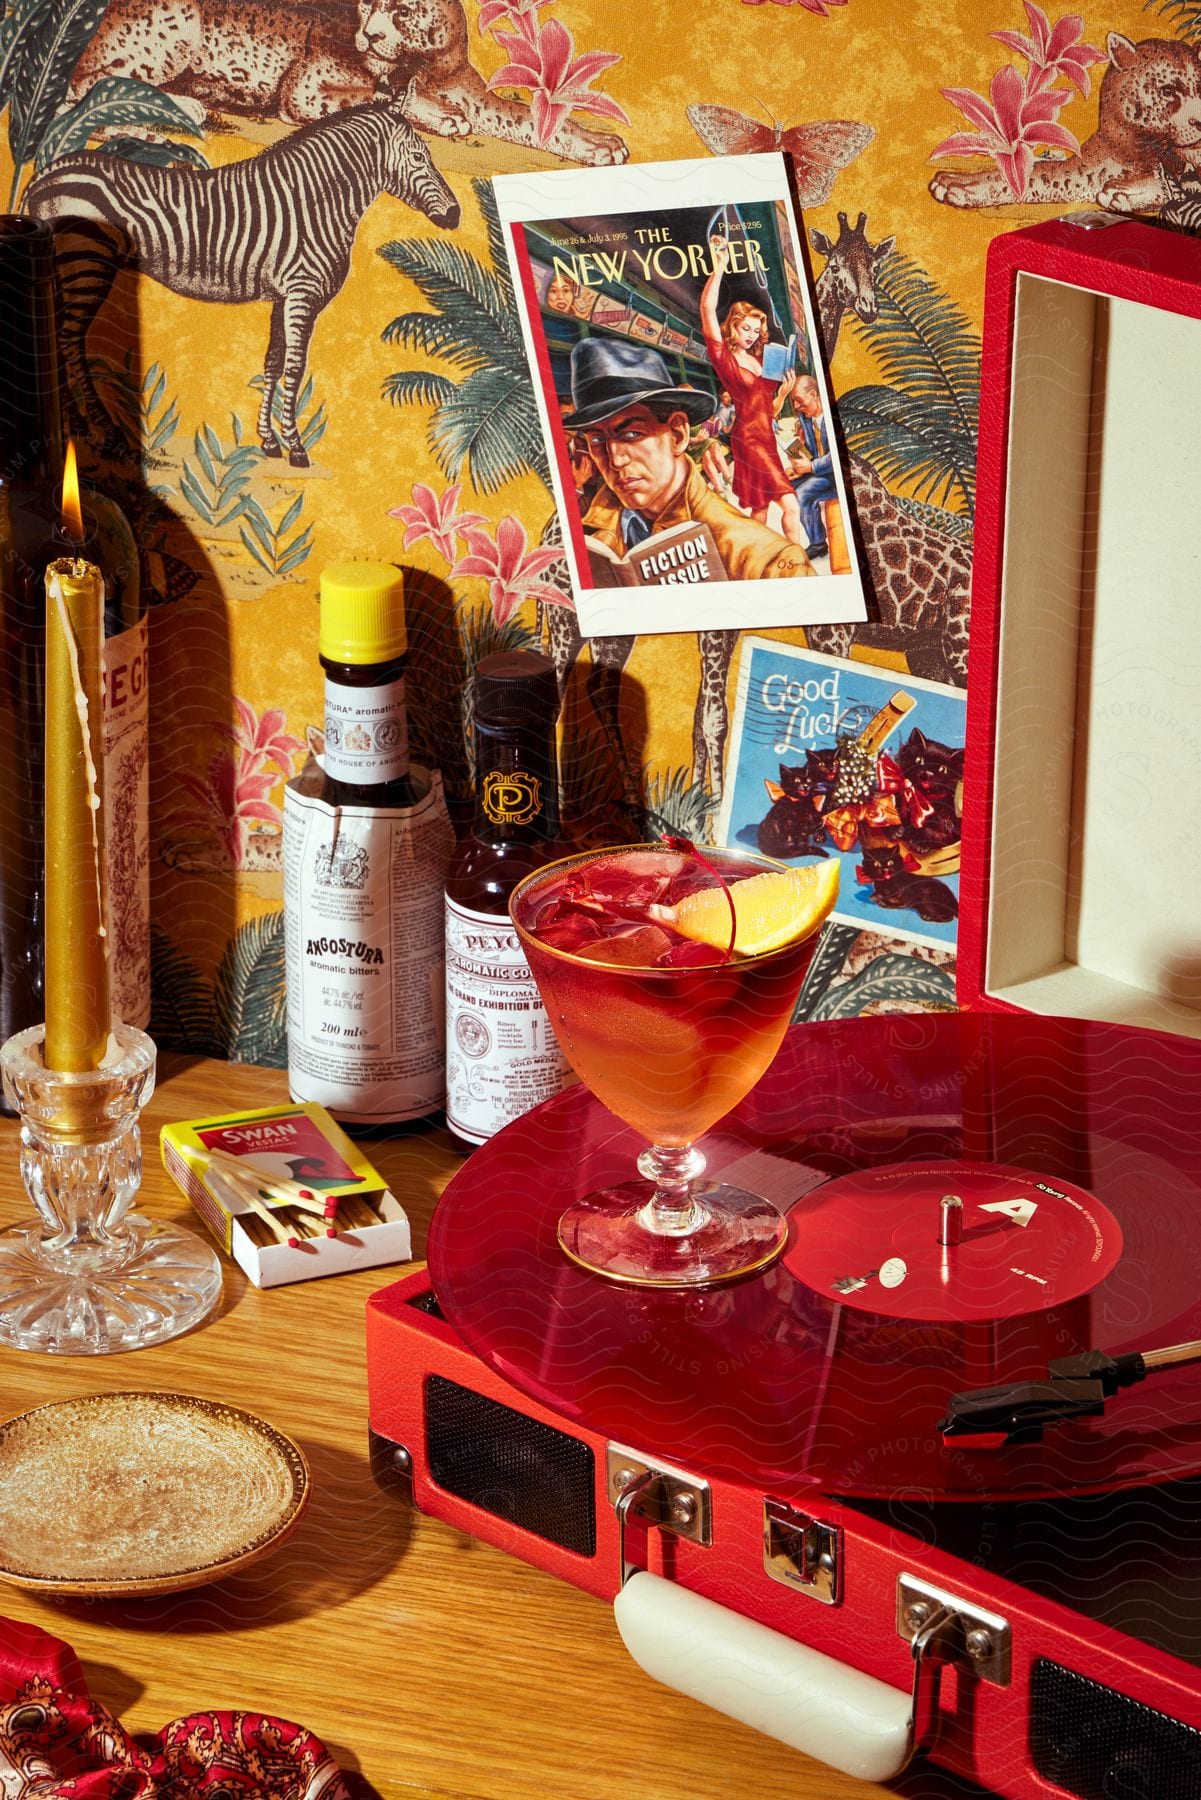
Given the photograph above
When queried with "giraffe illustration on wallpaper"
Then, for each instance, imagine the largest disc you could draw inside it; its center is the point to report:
(919, 573)
(301, 60)
(277, 227)
(1148, 135)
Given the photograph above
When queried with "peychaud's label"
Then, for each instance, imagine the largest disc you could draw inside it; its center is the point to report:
(502, 1056)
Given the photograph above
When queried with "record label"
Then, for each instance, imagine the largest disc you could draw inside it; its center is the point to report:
(1025, 1242)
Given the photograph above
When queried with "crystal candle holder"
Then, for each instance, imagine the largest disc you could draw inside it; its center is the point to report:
(87, 1277)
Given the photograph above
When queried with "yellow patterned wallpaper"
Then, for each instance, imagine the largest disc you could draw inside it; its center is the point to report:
(1010, 111)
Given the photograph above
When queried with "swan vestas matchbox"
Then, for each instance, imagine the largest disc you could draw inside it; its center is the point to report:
(286, 1193)
(1081, 861)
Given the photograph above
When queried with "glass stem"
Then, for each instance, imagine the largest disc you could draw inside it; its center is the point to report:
(82, 1193)
(672, 1210)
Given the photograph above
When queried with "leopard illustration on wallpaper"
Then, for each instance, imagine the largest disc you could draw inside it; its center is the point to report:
(299, 60)
(1148, 133)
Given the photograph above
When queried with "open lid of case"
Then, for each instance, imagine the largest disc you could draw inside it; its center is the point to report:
(1081, 890)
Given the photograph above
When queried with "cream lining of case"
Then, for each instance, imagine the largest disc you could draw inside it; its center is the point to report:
(1095, 907)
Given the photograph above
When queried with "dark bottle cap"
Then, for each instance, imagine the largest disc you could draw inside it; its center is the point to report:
(515, 688)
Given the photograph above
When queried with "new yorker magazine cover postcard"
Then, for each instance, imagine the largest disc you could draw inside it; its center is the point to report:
(671, 341)
(833, 758)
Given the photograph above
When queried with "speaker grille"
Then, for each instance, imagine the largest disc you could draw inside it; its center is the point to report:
(517, 1469)
(1101, 1745)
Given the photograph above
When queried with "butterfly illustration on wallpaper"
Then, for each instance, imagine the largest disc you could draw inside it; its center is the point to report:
(818, 150)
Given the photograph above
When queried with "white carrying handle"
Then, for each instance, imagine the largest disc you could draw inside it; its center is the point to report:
(800, 1696)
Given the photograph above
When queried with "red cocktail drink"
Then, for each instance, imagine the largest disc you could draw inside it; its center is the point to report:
(669, 1031)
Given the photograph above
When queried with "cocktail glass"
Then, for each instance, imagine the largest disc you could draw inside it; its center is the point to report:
(670, 1050)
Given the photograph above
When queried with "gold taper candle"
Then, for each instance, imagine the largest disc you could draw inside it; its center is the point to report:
(78, 1003)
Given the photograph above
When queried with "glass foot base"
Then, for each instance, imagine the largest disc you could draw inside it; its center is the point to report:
(169, 1281)
(735, 1233)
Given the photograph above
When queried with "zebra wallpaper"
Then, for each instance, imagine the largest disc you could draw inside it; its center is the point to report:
(290, 339)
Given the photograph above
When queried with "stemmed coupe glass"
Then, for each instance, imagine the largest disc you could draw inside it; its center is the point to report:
(670, 1035)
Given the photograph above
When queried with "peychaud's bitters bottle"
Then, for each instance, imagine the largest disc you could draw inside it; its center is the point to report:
(501, 1053)
(367, 842)
(32, 534)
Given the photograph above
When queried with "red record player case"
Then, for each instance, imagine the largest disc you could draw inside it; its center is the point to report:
(1096, 1703)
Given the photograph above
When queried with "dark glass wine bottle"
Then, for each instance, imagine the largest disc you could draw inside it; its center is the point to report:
(31, 535)
(28, 517)
(501, 1053)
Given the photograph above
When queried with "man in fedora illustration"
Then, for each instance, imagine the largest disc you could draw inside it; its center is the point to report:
(636, 423)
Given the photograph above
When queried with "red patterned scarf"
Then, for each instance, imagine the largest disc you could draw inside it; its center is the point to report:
(56, 1743)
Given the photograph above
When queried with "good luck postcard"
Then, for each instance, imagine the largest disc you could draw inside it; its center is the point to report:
(832, 758)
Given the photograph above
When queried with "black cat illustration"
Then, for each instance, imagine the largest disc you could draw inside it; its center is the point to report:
(794, 826)
(936, 773)
(893, 887)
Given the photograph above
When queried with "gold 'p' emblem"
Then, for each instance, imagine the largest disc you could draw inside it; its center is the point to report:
(512, 797)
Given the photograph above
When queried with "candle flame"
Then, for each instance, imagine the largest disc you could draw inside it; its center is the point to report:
(72, 506)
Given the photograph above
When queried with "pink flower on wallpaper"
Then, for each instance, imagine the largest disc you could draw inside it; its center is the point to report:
(436, 517)
(510, 568)
(236, 788)
(500, 12)
(1053, 51)
(1008, 124)
(542, 58)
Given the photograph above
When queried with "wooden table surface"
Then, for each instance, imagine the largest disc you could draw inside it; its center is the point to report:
(430, 1663)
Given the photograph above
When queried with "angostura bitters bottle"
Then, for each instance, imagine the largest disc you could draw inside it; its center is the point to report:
(367, 842)
(501, 1053)
(32, 535)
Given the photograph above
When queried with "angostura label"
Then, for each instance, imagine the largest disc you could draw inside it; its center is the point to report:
(511, 797)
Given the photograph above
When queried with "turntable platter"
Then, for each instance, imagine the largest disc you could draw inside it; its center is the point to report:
(788, 1378)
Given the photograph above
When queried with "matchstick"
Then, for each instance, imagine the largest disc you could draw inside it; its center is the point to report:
(280, 1187)
(247, 1191)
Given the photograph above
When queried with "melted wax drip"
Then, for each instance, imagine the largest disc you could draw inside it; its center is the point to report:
(82, 710)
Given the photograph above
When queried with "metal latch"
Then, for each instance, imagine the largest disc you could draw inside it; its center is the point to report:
(656, 1494)
(941, 1628)
(802, 1552)
(1094, 219)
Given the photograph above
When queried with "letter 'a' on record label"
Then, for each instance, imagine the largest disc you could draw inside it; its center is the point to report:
(502, 1056)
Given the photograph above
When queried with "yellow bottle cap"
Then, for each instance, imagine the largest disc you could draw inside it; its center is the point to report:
(362, 613)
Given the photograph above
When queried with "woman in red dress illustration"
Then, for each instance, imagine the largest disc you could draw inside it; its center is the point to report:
(733, 345)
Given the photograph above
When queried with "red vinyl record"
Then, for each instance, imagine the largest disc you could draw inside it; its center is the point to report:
(783, 1378)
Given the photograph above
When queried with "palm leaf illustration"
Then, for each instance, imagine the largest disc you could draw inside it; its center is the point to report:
(913, 445)
(833, 947)
(899, 981)
(249, 1000)
(676, 804)
(485, 423)
(481, 636)
(919, 429)
(182, 1013)
(40, 53)
(1186, 15)
(118, 101)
